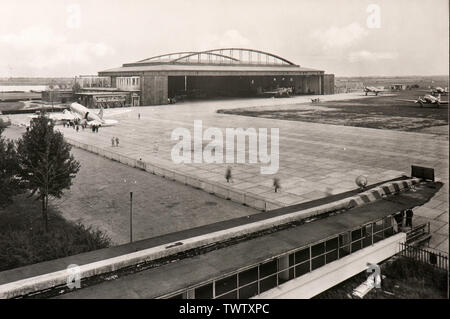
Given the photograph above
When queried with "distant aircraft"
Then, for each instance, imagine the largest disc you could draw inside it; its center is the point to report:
(427, 99)
(280, 92)
(437, 90)
(372, 89)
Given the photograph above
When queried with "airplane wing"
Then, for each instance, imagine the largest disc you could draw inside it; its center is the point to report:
(404, 100)
(114, 112)
(65, 116)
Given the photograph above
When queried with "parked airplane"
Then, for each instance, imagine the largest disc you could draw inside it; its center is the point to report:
(437, 90)
(427, 99)
(85, 115)
(372, 89)
(280, 92)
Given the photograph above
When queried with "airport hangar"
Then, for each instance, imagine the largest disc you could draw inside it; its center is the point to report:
(227, 72)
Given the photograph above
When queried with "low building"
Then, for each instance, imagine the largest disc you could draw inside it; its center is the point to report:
(398, 87)
(57, 96)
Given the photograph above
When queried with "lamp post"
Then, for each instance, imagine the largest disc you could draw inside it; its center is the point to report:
(131, 217)
(131, 208)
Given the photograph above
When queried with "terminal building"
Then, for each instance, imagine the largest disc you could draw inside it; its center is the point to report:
(227, 72)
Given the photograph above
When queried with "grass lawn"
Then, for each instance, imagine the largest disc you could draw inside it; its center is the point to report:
(405, 279)
(6, 106)
(380, 112)
(23, 240)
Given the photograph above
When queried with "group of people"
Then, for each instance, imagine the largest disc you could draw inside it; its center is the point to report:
(75, 124)
(406, 215)
(115, 141)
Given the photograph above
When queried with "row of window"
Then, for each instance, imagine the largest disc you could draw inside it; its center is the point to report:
(256, 279)
(128, 81)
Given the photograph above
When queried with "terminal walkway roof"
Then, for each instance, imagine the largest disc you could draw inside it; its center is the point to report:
(190, 271)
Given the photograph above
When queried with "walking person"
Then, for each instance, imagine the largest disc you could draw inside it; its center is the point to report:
(112, 141)
(117, 142)
(77, 128)
(228, 176)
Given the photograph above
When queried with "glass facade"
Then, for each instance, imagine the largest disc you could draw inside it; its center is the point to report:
(256, 279)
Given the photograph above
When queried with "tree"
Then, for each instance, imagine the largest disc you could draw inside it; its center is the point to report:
(9, 182)
(46, 165)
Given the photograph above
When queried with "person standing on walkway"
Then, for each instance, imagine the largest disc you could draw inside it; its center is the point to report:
(117, 142)
(112, 141)
(409, 217)
(139, 116)
(228, 176)
(77, 128)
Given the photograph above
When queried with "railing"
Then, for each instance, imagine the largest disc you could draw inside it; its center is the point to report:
(433, 258)
(418, 234)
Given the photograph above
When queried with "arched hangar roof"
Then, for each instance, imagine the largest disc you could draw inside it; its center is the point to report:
(234, 56)
(224, 61)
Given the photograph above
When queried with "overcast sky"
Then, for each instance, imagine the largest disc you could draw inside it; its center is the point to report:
(67, 38)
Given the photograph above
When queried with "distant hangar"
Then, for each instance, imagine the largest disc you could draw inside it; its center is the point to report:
(228, 72)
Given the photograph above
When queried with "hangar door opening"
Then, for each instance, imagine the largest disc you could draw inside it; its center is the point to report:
(204, 87)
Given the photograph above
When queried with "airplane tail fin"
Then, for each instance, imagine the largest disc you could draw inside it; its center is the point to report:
(100, 113)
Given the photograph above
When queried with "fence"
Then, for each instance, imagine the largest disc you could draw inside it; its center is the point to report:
(436, 259)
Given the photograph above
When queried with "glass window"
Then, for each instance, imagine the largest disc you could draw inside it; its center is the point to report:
(268, 283)
(356, 234)
(226, 284)
(318, 262)
(356, 246)
(283, 262)
(377, 226)
(344, 251)
(204, 292)
(332, 256)
(268, 268)
(318, 249)
(378, 236)
(248, 291)
(302, 269)
(248, 276)
(332, 244)
(367, 235)
(302, 255)
(388, 232)
(344, 239)
(387, 221)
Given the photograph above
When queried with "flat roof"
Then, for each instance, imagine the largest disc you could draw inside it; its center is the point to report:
(101, 93)
(187, 272)
(208, 68)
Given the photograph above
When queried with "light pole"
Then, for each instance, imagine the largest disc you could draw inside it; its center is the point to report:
(131, 217)
(131, 208)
